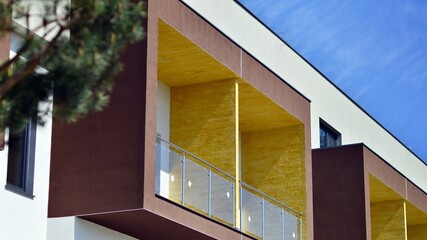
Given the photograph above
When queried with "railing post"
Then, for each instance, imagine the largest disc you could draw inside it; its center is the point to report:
(158, 164)
(183, 180)
(241, 206)
(234, 205)
(210, 193)
(282, 212)
(262, 218)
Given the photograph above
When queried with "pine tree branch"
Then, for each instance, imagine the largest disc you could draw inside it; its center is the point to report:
(24, 48)
(29, 67)
(35, 60)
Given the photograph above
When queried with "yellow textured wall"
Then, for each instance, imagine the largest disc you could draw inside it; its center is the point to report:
(202, 120)
(273, 161)
(417, 232)
(388, 220)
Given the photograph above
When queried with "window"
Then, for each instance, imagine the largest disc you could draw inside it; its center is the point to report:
(20, 163)
(329, 137)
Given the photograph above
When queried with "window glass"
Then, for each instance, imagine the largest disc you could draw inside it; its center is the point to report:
(20, 167)
(16, 159)
(329, 137)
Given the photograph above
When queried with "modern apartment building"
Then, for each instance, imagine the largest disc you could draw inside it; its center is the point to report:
(209, 135)
(194, 144)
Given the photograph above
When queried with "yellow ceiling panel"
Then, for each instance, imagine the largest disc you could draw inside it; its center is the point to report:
(181, 62)
(414, 215)
(258, 112)
(380, 192)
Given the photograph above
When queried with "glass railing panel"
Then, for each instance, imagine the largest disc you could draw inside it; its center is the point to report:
(158, 166)
(222, 199)
(291, 226)
(196, 186)
(169, 175)
(175, 176)
(251, 213)
(210, 191)
(272, 221)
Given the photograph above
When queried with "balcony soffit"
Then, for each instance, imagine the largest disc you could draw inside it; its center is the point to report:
(181, 62)
(258, 112)
(380, 192)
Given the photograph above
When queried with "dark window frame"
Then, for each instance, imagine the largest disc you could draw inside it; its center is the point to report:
(26, 187)
(330, 132)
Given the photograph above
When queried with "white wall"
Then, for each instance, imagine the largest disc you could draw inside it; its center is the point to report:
(22, 218)
(60, 228)
(327, 102)
(73, 228)
(163, 128)
(163, 110)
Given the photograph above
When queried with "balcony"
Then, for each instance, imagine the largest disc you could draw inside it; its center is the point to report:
(203, 188)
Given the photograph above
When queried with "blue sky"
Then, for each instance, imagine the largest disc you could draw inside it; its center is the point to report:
(375, 51)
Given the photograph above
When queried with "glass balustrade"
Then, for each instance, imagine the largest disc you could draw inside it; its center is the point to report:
(222, 199)
(251, 214)
(272, 221)
(188, 180)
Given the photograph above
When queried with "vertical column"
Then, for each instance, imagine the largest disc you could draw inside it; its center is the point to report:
(388, 220)
(237, 158)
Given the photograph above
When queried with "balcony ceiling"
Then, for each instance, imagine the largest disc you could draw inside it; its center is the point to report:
(415, 216)
(380, 192)
(181, 62)
(258, 112)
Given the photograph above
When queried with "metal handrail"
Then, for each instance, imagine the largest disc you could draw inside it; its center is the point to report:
(271, 198)
(194, 156)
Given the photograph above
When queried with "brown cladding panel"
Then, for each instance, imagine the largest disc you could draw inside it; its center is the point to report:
(416, 196)
(145, 225)
(339, 193)
(5, 46)
(4, 55)
(97, 163)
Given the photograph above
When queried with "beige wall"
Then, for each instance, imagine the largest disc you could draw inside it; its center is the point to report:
(273, 161)
(203, 122)
(388, 220)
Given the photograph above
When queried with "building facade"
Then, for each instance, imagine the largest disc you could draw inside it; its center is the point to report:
(209, 135)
